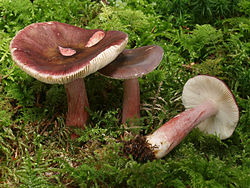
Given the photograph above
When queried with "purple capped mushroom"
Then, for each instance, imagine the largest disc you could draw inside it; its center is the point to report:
(128, 66)
(59, 53)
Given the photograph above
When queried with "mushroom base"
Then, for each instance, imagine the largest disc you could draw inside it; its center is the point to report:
(77, 103)
(131, 101)
(140, 149)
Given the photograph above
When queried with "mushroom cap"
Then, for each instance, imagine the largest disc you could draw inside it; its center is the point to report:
(202, 88)
(55, 52)
(134, 63)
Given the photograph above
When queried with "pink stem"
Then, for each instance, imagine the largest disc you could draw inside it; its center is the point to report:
(175, 130)
(131, 100)
(77, 103)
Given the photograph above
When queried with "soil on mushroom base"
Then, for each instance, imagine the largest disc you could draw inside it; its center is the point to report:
(139, 148)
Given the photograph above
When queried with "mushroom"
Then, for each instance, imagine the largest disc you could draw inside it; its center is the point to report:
(128, 66)
(210, 106)
(59, 53)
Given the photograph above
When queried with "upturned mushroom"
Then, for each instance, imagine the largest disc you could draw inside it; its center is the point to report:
(128, 66)
(210, 106)
(59, 53)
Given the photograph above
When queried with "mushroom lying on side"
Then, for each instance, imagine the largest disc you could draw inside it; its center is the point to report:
(210, 106)
(128, 66)
(58, 53)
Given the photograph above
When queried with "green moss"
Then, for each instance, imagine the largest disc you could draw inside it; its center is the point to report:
(135, 23)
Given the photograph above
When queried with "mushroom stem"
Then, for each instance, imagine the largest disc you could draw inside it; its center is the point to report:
(77, 103)
(169, 135)
(174, 131)
(131, 100)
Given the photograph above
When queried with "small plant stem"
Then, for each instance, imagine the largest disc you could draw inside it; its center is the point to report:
(77, 103)
(156, 97)
(131, 100)
(174, 131)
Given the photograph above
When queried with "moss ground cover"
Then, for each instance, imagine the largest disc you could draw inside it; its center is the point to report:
(198, 37)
